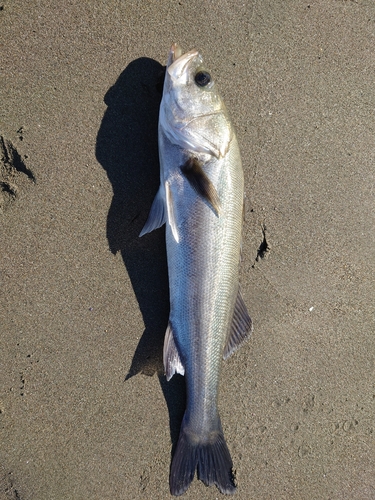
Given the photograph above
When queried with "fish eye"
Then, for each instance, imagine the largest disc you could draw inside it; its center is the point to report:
(202, 78)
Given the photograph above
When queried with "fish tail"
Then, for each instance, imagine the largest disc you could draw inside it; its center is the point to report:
(209, 456)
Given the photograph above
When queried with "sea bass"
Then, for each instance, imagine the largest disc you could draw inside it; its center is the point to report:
(201, 201)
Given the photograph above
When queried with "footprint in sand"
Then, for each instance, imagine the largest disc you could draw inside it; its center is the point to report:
(12, 172)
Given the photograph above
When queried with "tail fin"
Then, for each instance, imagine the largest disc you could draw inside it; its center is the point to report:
(210, 456)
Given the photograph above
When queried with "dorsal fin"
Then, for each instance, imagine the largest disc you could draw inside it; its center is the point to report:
(198, 180)
(241, 327)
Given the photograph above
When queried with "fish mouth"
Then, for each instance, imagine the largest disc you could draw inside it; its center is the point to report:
(176, 51)
(178, 62)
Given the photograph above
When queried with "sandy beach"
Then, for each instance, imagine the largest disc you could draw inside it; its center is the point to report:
(85, 410)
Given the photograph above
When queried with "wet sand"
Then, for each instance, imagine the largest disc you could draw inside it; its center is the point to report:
(85, 412)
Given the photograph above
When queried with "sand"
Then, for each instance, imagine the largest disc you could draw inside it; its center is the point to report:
(84, 301)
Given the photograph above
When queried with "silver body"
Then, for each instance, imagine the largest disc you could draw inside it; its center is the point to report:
(203, 273)
(201, 201)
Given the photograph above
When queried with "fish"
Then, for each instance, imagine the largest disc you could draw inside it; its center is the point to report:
(200, 200)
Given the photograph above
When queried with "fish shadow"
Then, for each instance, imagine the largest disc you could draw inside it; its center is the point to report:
(127, 149)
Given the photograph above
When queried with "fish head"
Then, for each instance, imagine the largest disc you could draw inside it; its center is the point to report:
(192, 113)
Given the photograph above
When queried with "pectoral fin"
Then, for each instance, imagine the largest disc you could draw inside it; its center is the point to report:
(171, 212)
(156, 217)
(201, 184)
(171, 358)
(240, 329)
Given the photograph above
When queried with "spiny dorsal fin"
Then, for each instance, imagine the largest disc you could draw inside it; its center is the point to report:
(241, 327)
(198, 180)
(171, 358)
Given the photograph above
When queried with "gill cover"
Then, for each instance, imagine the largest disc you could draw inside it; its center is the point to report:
(193, 116)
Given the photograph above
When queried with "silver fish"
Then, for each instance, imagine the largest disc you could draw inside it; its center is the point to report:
(201, 201)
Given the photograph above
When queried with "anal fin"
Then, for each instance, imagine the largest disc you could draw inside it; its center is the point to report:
(241, 327)
(171, 358)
